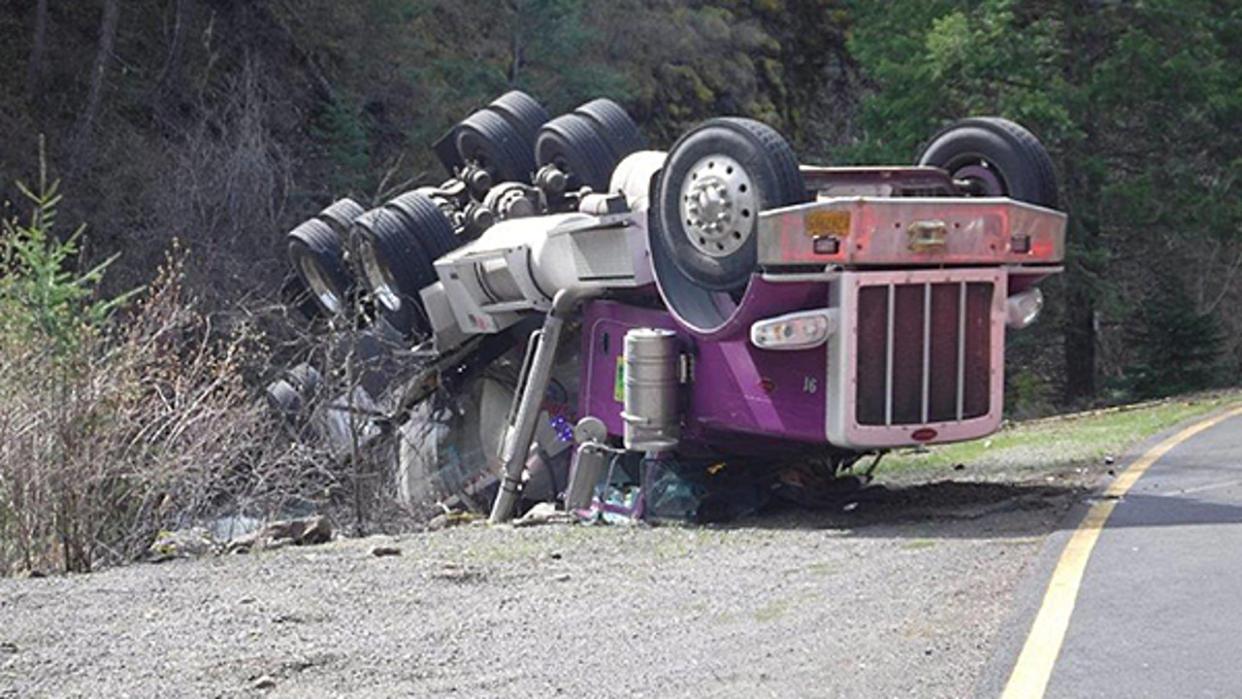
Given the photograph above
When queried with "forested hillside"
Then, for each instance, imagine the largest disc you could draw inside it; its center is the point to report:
(221, 123)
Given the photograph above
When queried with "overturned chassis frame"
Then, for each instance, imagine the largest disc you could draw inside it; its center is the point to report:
(915, 284)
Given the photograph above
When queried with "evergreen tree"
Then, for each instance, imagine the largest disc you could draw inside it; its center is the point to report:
(1177, 347)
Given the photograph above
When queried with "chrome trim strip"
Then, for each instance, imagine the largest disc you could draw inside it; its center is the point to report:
(889, 341)
(927, 304)
(961, 351)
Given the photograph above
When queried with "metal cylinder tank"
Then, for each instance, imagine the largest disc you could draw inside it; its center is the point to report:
(652, 419)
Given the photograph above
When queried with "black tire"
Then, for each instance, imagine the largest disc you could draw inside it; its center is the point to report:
(488, 139)
(306, 379)
(571, 143)
(283, 399)
(317, 254)
(427, 222)
(614, 125)
(1000, 156)
(297, 298)
(340, 215)
(767, 159)
(524, 112)
(392, 256)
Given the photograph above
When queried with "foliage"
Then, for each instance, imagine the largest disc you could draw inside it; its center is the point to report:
(1177, 347)
(1137, 102)
(225, 123)
(41, 295)
(108, 431)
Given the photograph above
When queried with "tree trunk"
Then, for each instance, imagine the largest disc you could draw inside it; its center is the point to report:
(38, 53)
(172, 65)
(1082, 199)
(103, 56)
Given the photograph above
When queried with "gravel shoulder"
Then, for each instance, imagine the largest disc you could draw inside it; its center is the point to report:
(899, 594)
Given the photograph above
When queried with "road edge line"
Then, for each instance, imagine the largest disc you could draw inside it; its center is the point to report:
(1033, 669)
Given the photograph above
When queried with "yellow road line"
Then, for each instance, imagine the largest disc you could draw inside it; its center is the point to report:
(1030, 675)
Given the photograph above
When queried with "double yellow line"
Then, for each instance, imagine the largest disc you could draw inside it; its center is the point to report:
(1029, 679)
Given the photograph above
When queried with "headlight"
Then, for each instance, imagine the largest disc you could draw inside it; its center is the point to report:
(802, 330)
(1024, 308)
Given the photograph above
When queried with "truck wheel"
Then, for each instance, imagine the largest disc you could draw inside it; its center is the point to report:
(306, 379)
(996, 158)
(341, 214)
(717, 179)
(316, 254)
(297, 298)
(614, 125)
(395, 266)
(572, 144)
(524, 112)
(283, 399)
(488, 139)
(427, 221)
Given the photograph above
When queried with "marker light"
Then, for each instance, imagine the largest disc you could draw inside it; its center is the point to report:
(1024, 308)
(795, 331)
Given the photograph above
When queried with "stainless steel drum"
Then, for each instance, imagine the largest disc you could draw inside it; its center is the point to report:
(652, 419)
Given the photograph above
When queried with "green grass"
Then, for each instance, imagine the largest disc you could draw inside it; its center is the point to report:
(1063, 442)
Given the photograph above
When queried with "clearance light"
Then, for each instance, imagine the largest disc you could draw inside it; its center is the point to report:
(796, 331)
(1024, 308)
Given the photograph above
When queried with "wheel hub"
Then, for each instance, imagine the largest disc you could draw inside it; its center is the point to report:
(718, 206)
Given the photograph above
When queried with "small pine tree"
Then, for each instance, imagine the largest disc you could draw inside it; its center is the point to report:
(41, 293)
(1177, 347)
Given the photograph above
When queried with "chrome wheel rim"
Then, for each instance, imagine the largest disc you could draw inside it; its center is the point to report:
(379, 279)
(319, 286)
(719, 206)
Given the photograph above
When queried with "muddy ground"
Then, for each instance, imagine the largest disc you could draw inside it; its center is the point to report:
(897, 594)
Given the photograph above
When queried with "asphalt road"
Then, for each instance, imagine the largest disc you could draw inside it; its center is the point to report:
(1159, 609)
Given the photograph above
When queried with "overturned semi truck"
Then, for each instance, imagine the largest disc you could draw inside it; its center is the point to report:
(728, 300)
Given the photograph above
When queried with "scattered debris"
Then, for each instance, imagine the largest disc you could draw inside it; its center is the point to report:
(382, 551)
(264, 682)
(8, 648)
(560, 577)
(850, 507)
(451, 519)
(544, 513)
(305, 531)
(183, 543)
(1109, 460)
(959, 467)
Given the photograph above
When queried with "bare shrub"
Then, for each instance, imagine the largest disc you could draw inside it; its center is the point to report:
(224, 185)
(115, 422)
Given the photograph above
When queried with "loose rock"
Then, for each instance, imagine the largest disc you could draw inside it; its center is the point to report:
(381, 551)
(292, 532)
(183, 543)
